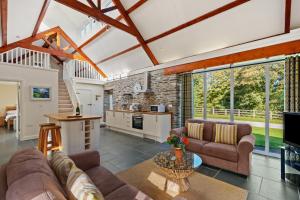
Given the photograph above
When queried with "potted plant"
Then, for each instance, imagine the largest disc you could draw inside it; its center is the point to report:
(179, 143)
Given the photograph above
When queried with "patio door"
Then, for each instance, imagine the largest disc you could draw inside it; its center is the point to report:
(249, 93)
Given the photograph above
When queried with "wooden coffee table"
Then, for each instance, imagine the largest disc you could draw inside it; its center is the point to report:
(178, 171)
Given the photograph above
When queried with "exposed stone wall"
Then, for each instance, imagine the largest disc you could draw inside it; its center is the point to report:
(165, 90)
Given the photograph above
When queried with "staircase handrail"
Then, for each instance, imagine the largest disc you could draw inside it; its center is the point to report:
(70, 84)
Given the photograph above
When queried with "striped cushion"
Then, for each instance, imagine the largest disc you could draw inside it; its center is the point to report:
(80, 186)
(61, 165)
(195, 130)
(226, 134)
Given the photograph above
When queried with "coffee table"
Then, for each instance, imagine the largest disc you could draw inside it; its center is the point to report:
(178, 171)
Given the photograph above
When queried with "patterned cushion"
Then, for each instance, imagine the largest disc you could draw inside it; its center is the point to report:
(81, 187)
(61, 165)
(226, 134)
(195, 130)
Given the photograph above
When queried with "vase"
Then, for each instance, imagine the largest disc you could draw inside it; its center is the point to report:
(178, 154)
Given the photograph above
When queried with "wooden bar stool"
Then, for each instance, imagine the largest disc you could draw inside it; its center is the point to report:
(52, 143)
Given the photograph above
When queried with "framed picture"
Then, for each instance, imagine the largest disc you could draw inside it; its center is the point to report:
(41, 93)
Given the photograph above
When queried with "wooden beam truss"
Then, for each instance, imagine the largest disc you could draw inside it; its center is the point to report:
(136, 32)
(58, 52)
(184, 25)
(94, 12)
(4, 10)
(285, 48)
(41, 17)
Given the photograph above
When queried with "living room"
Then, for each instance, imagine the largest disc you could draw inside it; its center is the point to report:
(149, 99)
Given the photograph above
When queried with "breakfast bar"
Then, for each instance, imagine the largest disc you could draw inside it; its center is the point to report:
(78, 133)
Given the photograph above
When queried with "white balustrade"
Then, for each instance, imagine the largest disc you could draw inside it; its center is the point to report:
(83, 70)
(26, 57)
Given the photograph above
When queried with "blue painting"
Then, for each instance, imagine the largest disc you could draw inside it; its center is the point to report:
(40, 93)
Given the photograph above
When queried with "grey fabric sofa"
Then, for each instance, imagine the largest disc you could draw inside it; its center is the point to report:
(28, 176)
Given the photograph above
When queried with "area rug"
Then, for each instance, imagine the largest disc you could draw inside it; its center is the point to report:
(150, 180)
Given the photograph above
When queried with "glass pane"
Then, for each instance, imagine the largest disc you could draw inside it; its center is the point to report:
(218, 95)
(249, 100)
(198, 95)
(276, 106)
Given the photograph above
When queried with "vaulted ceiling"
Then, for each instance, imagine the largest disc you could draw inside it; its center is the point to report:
(171, 29)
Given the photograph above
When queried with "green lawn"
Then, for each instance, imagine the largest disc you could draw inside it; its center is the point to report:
(275, 137)
(251, 119)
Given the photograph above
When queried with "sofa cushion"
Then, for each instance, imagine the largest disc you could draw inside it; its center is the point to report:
(223, 151)
(34, 186)
(62, 165)
(81, 187)
(196, 145)
(126, 192)
(207, 129)
(26, 162)
(195, 130)
(226, 134)
(104, 180)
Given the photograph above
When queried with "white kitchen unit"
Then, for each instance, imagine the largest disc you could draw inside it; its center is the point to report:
(77, 134)
(156, 126)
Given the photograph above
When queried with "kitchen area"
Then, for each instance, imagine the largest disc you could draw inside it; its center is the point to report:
(144, 105)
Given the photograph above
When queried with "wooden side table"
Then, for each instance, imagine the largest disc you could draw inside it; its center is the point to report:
(2, 122)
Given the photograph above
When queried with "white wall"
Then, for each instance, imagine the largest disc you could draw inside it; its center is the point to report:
(32, 112)
(97, 90)
(8, 95)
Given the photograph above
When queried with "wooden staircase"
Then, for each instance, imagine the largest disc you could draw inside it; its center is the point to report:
(64, 101)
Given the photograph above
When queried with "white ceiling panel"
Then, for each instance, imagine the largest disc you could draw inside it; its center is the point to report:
(295, 15)
(68, 19)
(136, 59)
(158, 16)
(128, 3)
(22, 17)
(242, 24)
(109, 43)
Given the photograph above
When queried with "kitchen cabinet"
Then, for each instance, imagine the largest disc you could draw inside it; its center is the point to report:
(156, 126)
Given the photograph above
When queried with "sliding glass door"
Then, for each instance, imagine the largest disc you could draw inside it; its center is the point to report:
(252, 94)
(249, 100)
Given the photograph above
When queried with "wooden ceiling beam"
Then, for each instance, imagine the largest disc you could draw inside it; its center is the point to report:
(4, 10)
(41, 17)
(93, 12)
(91, 3)
(120, 53)
(107, 27)
(136, 31)
(81, 53)
(109, 9)
(288, 8)
(30, 39)
(185, 25)
(285, 48)
(99, 4)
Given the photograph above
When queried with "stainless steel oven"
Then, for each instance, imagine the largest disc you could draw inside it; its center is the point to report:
(137, 122)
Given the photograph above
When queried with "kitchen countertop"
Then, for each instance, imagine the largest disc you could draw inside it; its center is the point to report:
(143, 112)
(64, 117)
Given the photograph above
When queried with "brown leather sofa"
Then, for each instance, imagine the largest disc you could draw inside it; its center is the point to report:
(235, 158)
(28, 176)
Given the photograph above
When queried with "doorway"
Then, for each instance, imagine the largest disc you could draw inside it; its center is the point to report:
(10, 108)
(85, 98)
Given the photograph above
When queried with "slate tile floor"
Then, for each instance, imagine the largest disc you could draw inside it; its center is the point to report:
(120, 151)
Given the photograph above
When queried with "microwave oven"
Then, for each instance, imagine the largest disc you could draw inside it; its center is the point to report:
(158, 108)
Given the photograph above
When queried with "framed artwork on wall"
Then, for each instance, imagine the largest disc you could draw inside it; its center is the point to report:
(41, 93)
